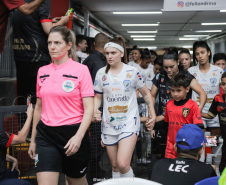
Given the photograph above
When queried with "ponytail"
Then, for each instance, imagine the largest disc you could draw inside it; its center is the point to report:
(118, 40)
(72, 51)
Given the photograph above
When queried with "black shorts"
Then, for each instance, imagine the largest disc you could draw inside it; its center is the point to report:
(50, 152)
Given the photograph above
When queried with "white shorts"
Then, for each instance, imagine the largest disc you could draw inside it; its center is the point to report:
(109, 140)
(214, 123)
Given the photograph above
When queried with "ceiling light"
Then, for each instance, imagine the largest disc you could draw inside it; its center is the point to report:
(187, 46)
(145, 39)
(142, 36)
(137, 12)
(222, 10)
(218, 23)
(208, 31)
(188, 38)
(140, 24)
(196, 35)
(142, 31)
(149, 47)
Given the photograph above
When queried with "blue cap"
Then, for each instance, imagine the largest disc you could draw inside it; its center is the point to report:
(192, 135)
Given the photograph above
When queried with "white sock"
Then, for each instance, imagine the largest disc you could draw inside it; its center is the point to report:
(115, 175)
(128, 174)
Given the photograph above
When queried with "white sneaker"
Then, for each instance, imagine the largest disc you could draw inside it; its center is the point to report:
(143, 161)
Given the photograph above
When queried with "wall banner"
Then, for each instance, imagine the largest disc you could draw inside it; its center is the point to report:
(194, 5)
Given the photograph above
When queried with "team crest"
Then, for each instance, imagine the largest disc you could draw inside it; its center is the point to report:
(149, 75)
(195, 75)
(68, 85)
(127, 84)
(213, 81)
(162, 80)
(185, 112)
(104, 78)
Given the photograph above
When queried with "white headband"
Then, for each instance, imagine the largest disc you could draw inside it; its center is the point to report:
(114, 45)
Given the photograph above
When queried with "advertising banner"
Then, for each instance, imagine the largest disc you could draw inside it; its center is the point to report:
(194, 5)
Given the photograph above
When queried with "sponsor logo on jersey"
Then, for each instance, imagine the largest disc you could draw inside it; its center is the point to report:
(123, 118)
(127, 84)
(129, 70)
(162, 85)
(112, 119)
(195, 75)
(68, 85)
(105, 84)
(162, 80)
(185, 112)
(164, 101)
(128, 75)
(204, 85)
(95, 83)
(118, 109)
(211, 92)
(157, 76)
(119, 127)
(116, 89)
(213, 81)
(118, 119)
(104, 78)
(116, 83)
(117, 99)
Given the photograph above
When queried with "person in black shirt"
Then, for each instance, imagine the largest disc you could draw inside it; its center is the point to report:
(186, 169)
(30, 47)
(10, 176)
(94, 62)
(96, 59)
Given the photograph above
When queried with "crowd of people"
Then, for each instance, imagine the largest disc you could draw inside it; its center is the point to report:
(181, 102)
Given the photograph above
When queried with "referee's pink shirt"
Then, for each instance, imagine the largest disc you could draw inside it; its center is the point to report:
(61, 88)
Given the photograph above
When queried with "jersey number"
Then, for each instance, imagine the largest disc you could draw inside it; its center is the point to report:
(135, 120)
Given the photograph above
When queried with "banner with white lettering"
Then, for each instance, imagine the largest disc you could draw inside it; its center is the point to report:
(194, 5)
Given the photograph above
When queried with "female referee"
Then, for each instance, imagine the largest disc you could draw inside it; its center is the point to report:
(63, 113)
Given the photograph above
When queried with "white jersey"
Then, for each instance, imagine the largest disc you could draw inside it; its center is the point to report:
(150, 66)
(209, 81)
(134, 64)
(81, 55)
(120, 109)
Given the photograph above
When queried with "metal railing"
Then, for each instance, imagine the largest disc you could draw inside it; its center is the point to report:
(12, 119)
(7, 64)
